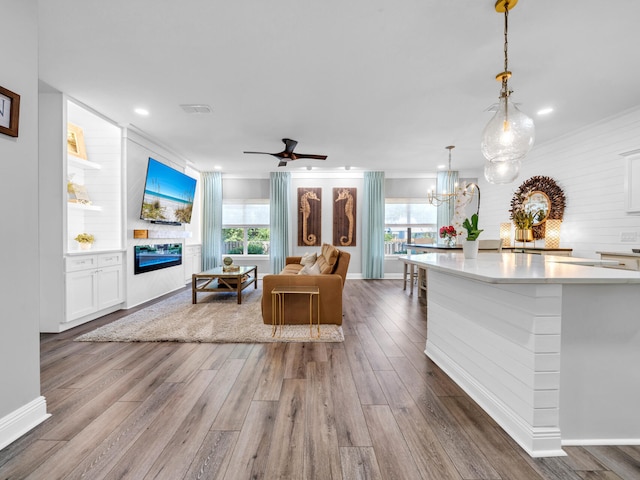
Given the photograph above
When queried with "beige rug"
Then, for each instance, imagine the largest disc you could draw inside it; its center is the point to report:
(215, 319)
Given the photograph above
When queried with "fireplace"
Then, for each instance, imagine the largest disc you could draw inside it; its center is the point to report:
(155, 257)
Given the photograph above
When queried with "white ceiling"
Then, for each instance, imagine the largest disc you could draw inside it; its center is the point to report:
(374, 85)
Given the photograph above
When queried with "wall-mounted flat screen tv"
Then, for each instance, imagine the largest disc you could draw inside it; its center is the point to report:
(147, 258)
(168, 195)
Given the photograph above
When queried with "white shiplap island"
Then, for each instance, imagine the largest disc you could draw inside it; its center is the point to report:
(550, 350)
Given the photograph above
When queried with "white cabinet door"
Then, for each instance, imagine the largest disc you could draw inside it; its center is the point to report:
(110, 287)
(192, 261)
(82, 293)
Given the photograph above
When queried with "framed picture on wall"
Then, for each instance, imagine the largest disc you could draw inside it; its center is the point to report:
(344, 217)
(75, 141)
(9, 112)
(309, 217)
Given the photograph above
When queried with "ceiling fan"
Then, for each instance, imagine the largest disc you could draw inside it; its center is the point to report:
(287, 154)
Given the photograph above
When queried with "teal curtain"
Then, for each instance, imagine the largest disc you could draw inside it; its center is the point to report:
(373, 226)
(212, 220)
(279, 219)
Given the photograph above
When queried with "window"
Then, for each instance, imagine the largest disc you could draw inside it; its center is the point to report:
(404, 217)
(245, 227)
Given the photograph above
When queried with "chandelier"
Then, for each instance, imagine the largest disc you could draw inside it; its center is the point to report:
(449, 192)
(447, 183)
(510, 134)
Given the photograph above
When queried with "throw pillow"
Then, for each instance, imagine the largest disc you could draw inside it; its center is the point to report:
(313, 269)
(309, 259)
(330, 254)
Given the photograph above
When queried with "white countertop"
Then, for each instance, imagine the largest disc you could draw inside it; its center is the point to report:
(523, 268)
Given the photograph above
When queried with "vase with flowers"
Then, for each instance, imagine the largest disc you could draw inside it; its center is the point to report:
(449, 234)
(85, 240)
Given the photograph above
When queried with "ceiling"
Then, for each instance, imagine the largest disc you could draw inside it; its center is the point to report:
(374, 85)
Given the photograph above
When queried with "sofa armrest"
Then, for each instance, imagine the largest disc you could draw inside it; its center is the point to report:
(290, 260)
(297, 309)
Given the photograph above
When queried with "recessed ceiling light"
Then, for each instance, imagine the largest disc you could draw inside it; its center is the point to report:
(441, 167)
(142, 111)
(217, 167)
(545, 111)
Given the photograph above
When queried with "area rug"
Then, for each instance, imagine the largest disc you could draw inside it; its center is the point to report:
(214, 319)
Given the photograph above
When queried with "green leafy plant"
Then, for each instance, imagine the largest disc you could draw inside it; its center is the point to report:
(84, 238)
(471, 226)
(525, 219)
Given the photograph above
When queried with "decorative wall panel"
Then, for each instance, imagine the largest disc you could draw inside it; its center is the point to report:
(344, 217)
(309, 217)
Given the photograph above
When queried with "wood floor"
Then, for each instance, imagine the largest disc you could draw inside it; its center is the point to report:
(373, 407)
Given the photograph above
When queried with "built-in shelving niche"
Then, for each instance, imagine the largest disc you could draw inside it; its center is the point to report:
(99, 177)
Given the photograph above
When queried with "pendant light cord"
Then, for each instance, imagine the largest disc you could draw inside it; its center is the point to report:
(505, 74)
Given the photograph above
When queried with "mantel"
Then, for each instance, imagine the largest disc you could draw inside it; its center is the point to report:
(161, 234)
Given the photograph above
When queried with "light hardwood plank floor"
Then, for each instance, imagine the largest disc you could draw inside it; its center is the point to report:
(373, 407)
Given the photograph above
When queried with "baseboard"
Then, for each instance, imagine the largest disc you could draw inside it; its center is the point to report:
(20, 421)
(581, 442)
(393, 276)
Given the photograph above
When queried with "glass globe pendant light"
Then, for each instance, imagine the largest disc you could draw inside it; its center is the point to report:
(510, 134)
(501, 172)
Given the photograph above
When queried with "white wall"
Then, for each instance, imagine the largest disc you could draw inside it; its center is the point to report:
(21, 406)
(150, 285)
(588, 166)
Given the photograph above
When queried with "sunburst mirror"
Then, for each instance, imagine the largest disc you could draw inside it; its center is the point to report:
(540, 193)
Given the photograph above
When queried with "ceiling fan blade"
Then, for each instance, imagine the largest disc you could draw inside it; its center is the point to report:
(287, 155)
(306, 155)
(289, 144)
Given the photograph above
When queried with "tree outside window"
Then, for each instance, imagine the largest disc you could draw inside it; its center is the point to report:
(244, 231)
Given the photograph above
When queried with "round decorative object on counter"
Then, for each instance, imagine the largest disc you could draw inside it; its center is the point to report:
(227, 261)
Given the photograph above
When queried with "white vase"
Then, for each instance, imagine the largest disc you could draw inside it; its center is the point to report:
(84, 245)
(470, 248)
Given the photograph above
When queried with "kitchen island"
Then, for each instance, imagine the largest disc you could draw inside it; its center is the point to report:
(550, 350)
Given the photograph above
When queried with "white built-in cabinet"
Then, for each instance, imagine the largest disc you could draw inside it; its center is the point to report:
(192, 260)
(93, 283)
(79, 192)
